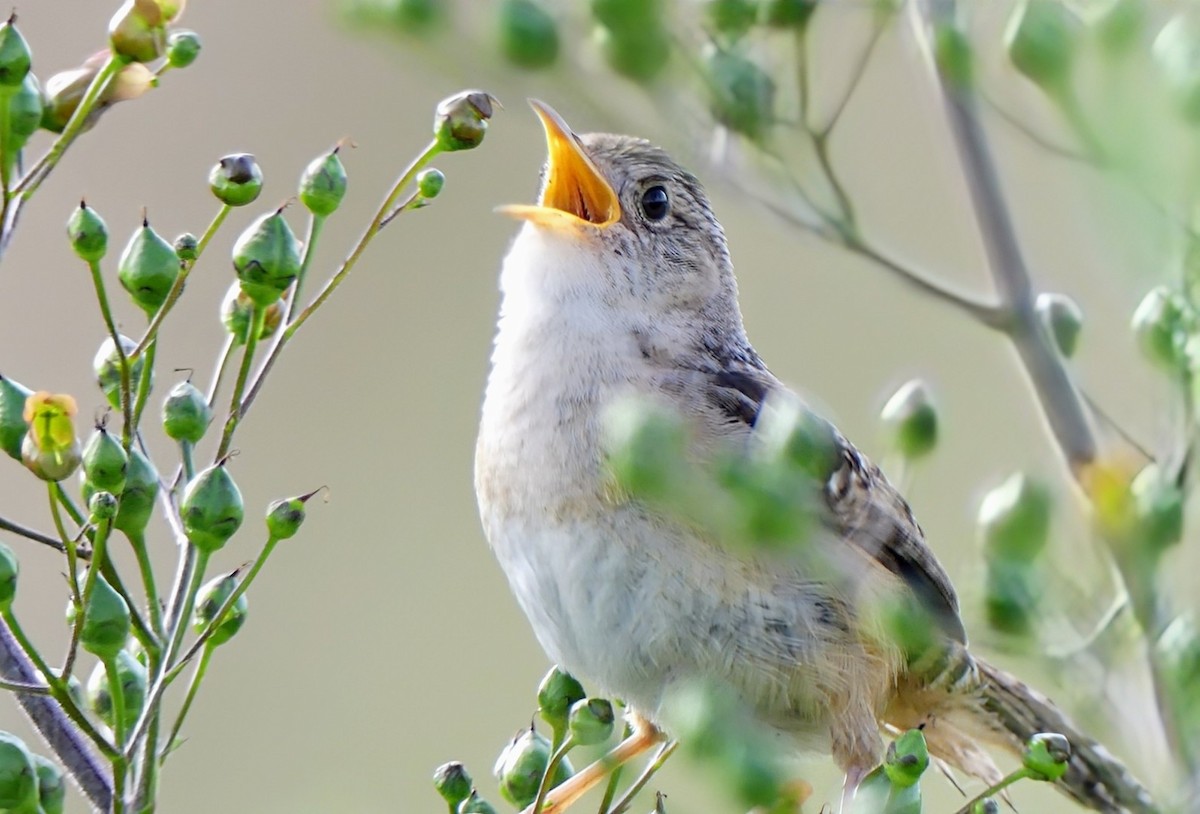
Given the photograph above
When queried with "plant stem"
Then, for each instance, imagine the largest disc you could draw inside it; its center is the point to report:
(286, 334)
(143, 391)
(99, 543)
(664, 752)
(992, 791)
(68, 542)
(539, 802)
(257, 319)
(193, 686)
(315, 223)
(137, 541)
(126, 394)
(32, 534)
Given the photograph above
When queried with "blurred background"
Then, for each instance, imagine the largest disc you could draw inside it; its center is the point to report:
(383, 640)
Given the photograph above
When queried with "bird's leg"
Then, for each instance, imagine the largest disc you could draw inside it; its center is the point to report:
(854, 778)
(643, 736)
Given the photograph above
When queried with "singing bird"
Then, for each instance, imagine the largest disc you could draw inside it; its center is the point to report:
(620, 284)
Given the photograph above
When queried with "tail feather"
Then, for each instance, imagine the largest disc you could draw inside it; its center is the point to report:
(1000, 710)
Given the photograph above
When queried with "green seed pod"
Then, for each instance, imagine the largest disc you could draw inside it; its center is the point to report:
(528, 34)
(1014, 518)
(742, 94)
(88, 233)
(18, 776)
(266, 258)
(645, 446)
(106, 365)
(187, 247)
(148, 268)
(106, 622)
(52, 786)
(26, 107)
(323, 184)
(211, 509)
(912, 421)
(9, 570)
(1040, 38)
(521, 765)
(732, 18)
(628, 15)
(811, 444)
(1063, 319)
(639, 54)
(102, 506)
(556, 694)
(105, 462)
(13, 425)
(474, 804)
(15, 56)
(788, 13)
(1119, 26)
(1158, 503)
(141, 490)
(460, 121)
(907, 758)
(430, 183)
(237, 311)
(285, 515)
(1176, 51)
(132, 675)
(182, 48)
(1047, 754)
(415, 16)
(236, 179)
(987, 805)
(453, 782)
(133, 36)
(1162, 323)
(209, 601)
(185, 413)
(591, 721)
(1012, 594)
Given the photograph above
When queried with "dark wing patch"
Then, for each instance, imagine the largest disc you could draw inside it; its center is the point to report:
(739, 395)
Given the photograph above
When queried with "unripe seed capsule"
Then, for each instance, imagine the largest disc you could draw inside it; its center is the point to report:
(52, 788)
(107, 367)
(266, 258)
(237, 310)
(1063, 319)
(132, 675)
(18, 775)
(236, 179)
(474, 804)
(284, 516)
(907, 759)
(13, 425)
(1047, 754)
(461, 121)
(10, 569)
(528, 34)
(105, 462)
(102, 506)
(430, 183)
(912, 419)
(453, 782)
(187, 247)
(522, 764)
(211, 509)
(88, 233)
(15, 56)
(558, 691)
(209, 601)
(591, 721)
(137, 500)
(106, 622)
(148, 268)
(323, 184)
(185, 413)
(1041, 39)
(182, 48)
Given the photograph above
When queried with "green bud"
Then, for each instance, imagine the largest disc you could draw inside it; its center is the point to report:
(528, 34)
(107, 367)
(133, 36)
(285, 515)
(26, 107)
(742, 94)
(18, 776)
(415, 16)
(1063, 319)
(141, 490)
(1119, 26)
(1014, 518)
(182, 48)
(810, 444)
(1047, 754)
(907, 758)
(102, 506)
(88, 233)
(912, 420)
(13, 425)
(430, 183)
(453, 782)
(788, 13)
(1176, 51)
(105, 462)
(237, 311)
(460, 121)
(323, 184)
(521, 765)
(474, 804)
(987, 805)
(1158, 502)
(731, 17)
(236, 179)
(187, 247)
(52, 786)
(1041, 39)
(132, 675)
(639, 54)
(106, 622)
(211, 509)
(628, 15)
(953, 55)
(591, 721)
(1162, 323)
(148, 268)
(266, 258)
(185, 413)
(15, 56)
(1012, 595)
(209, 601)
(556, 694)
(9, 570)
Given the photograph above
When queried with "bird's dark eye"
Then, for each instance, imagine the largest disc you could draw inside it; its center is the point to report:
(655, 203)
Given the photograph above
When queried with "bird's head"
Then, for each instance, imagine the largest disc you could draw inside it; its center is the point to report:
(619, 222)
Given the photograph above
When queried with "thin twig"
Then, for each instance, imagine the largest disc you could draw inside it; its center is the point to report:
(32, 534)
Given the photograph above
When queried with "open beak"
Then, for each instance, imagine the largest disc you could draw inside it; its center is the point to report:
(575, 194)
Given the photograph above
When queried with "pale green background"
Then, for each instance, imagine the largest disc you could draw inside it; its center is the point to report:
(383, 641)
